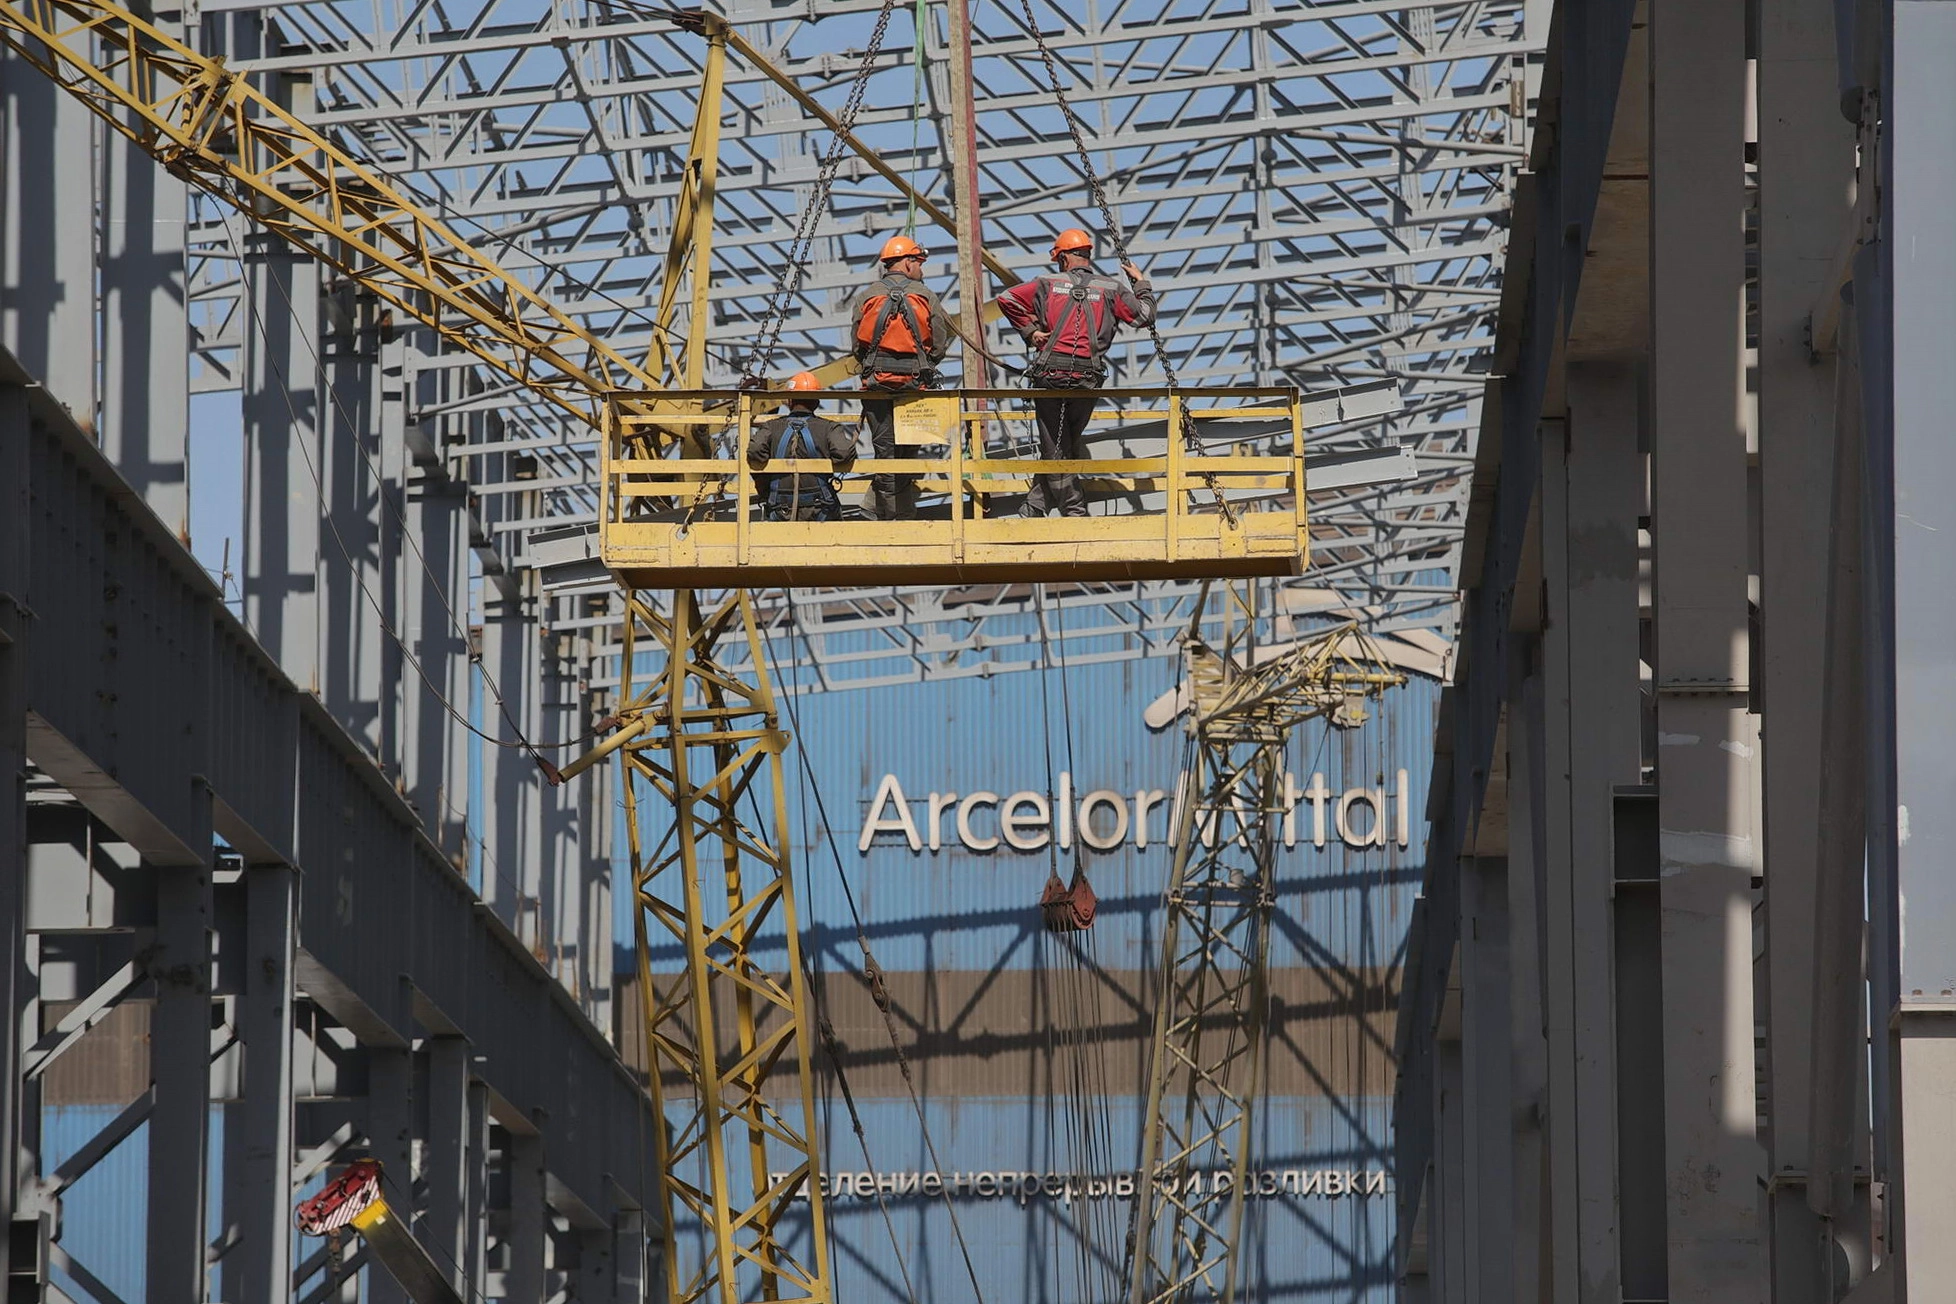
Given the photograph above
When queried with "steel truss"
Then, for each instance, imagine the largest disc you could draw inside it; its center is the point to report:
(1319, 188)
(1206, 1057)
(705, 741)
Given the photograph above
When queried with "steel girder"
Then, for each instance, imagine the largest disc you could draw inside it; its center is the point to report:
(1320, 189)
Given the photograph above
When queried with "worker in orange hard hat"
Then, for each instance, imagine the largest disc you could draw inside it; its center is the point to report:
(798, 495)
(899, 333)
(1068, 318)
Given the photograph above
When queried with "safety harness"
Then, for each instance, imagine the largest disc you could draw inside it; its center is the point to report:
(1074, 371)
(878, 362)
(796, 495)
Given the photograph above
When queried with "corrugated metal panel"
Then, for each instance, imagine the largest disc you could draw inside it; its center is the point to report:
(1056, 1247)
(994, 1011)
(104, 1214)
(958, 908)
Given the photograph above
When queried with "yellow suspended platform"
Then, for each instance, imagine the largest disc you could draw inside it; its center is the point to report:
(680, 507)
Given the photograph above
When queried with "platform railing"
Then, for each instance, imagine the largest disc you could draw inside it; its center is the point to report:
(680, 504)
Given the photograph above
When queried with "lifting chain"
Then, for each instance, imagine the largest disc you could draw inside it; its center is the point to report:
(768, 341)
(1190, 440)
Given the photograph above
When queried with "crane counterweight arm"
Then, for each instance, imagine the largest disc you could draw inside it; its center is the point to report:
(213, 129)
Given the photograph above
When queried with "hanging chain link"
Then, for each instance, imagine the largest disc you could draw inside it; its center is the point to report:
(1190, 439)
(768, 342)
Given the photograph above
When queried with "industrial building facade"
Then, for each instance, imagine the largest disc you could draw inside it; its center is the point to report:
(1676, 1016)
(1027, 1050)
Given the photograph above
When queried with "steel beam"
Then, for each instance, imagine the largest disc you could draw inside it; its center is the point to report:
(1805, 150)
(1528, 1212)
(384, 915)
(1918, 522)
(1591, 500)
(390, 1139)
(523, 1270)
(14, 978)
(145, 331)
(47, 243)
(475, 1208)
(179, 963)
(258, 1189)
(1706, 740)
(448, 1167)
(433, 580)
(284, 490)
(1487, 1088)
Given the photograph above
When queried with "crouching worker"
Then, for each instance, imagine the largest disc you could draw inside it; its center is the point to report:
(899, 334)
(800, 495)
(1068, 319)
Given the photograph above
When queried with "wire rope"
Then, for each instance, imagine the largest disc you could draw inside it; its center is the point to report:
(1115, 232)
(872, 972)
(917, 96)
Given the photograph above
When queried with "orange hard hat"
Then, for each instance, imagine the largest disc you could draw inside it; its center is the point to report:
(804, 380)
(902, 246)
(1070, 240)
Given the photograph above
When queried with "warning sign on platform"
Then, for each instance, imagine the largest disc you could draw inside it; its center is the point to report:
(926, 419)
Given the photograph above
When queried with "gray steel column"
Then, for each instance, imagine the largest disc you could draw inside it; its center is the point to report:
(512, 846)
(14, 979)
(145, 329)
(523, 1279)
(47, 242)
(1592, 495)
(597, 1271)
(634, 1266)
(179, 961)
(447, 1165)
(280, 576)
(475, 1263)
(1920, 194)
(1706, 741)
(433, 583)
(1450, 1187)
(1529, 1207)
(390, 1139)
(360, 545)
(1806, 157)
(1487, 1095)
(258, 1193)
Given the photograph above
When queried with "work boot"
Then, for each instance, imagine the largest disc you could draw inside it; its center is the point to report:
(906, 500)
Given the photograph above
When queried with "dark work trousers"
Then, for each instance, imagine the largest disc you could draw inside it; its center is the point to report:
(894, 498)
(1062, 422)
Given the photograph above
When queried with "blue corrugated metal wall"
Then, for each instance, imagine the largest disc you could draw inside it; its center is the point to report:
(1341, 909)
(963, 909)
(103, 1215)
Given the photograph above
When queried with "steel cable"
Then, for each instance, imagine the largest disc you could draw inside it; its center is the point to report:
(1190, 438)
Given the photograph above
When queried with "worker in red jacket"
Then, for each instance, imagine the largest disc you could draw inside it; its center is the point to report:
(1068, 318)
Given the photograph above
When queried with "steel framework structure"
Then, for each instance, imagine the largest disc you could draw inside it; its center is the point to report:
(1326, 179)
(1206, 1055)
(1319, 188)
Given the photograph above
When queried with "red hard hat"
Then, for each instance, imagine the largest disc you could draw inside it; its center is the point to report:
(902, 246)
(804, 380)
(1071, 239)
